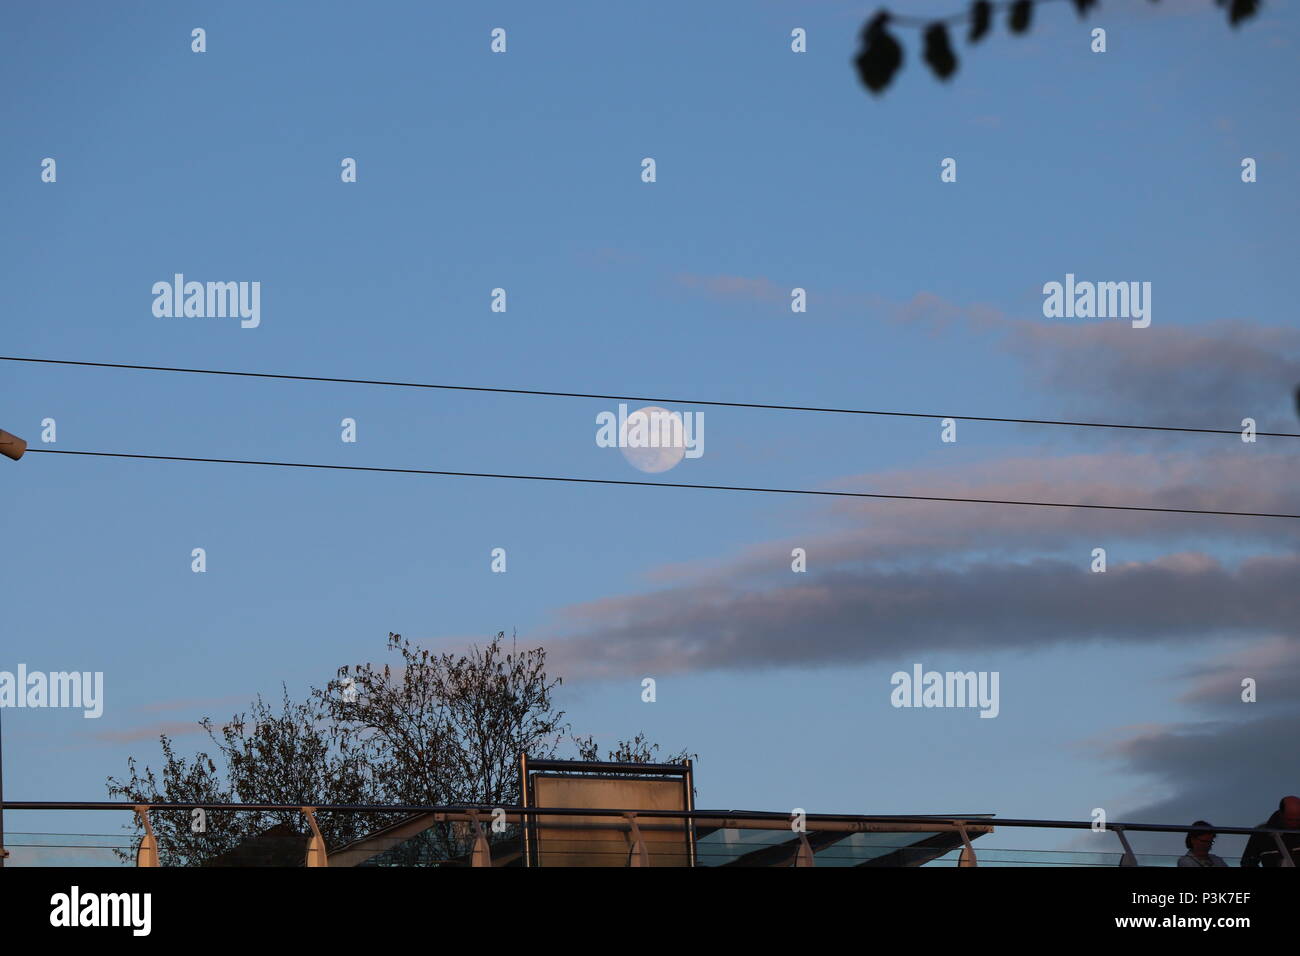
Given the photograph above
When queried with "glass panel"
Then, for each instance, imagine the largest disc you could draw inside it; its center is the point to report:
(69, 849)
(452, 843)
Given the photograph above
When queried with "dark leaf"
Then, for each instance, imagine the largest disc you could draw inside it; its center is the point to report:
(1242, 10)
(881, 55)
(938, 51)
(1021, 13)
(981, 14)
(1083, 6)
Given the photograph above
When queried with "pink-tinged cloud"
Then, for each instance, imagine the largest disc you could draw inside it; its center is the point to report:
(172, 728)
(850, 616)
(735, 287)
(194, 703)
(822, 303)
(916, 576)
(1230, 770)
(1273, 664)
(1211, 375)
(867, 530)
(1205, 376)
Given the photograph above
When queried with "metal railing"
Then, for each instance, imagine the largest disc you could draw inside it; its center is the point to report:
(486, 835)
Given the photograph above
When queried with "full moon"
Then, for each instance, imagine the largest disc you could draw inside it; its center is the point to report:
(650, 458)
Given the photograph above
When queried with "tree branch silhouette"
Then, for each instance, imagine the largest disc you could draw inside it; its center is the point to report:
(881, 55)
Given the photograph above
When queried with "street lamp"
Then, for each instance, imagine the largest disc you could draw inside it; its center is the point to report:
(11, 446)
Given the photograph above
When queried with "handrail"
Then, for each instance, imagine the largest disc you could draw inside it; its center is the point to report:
(721, 817)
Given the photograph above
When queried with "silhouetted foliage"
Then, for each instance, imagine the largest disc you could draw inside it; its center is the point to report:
(294, 757)
(1022, 12)
(639, 750)
(881, 55)
(981, 18)
(448, 728)
(440, 729)
(938, 51)
(1241, 10)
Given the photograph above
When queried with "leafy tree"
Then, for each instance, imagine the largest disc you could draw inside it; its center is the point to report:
(438, 729)
(449, 729)
(638, 750)
(293, 757)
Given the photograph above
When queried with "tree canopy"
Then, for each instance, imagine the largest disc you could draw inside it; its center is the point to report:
(438, 729)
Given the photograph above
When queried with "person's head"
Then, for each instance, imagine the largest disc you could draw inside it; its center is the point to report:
(1289, 808)
(1200, 838)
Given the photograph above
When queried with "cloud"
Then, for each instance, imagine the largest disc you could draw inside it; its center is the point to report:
(605, 256)
(917, 577)
(1231, 767)
(1231, 772)
(1208, 376)
(735, 287)
(1273, 663)
(171, 728)
(866, 529)
(848, 616)
(193, 703)
(822, 303)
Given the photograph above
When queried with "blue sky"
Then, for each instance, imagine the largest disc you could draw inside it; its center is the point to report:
(775, 170)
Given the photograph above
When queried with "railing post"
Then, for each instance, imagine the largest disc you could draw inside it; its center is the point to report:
(482, 855)
(147, 853)
(1129, 858)
(1286, 854)
(316, 855)
(805, 855)
(638, 855)
(967, 857)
